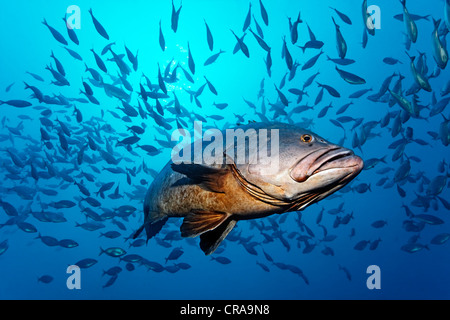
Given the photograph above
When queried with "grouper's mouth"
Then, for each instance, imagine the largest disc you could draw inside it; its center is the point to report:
(336, 162)
(322, 172)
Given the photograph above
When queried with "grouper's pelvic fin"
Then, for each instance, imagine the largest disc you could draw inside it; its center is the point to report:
(212, 226)
(210, 241)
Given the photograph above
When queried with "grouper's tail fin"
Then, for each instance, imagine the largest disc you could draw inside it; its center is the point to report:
(151, 228)
(138, 231)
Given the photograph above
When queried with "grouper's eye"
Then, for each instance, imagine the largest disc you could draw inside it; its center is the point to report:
(307, 138)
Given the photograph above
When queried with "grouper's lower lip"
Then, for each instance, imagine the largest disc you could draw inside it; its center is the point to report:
(343, 161)
(327, 159)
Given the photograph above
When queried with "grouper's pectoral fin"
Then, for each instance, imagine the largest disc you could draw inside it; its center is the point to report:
(210, 179)
(212, 226)
(201, 221)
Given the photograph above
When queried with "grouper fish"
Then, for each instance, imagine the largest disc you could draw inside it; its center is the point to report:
(212, 198)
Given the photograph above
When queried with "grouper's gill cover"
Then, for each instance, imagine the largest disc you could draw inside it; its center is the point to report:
(302, 156)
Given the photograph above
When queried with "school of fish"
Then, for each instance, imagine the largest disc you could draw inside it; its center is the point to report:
(69, 151)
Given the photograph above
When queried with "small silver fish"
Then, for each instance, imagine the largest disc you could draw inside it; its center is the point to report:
(410, 25)
(440, 53)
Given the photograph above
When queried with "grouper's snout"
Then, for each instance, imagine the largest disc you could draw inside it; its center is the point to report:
(334, 158)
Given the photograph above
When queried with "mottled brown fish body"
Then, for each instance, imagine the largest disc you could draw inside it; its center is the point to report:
(166, 200)
(212, 198)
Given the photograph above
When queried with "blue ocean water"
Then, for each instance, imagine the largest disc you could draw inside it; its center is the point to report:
(38, 172)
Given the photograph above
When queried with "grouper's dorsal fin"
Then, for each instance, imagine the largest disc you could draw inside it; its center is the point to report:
(210, 179)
